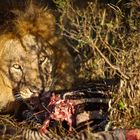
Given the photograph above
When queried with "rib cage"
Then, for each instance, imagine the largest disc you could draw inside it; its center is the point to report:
(92, 103)
(91, 108)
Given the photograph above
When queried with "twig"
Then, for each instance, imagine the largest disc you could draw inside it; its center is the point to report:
(93, 45)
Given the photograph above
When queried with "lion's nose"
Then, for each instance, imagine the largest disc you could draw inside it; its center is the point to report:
(36, 85)
(36, 90)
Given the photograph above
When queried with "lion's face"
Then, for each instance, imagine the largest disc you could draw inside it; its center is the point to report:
(32, 57)
(30, 66)
(24, 63)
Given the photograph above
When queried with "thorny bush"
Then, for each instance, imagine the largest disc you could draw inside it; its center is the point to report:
(106, 43)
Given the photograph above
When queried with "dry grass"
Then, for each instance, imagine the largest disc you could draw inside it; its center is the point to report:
(107, 44)
(105, 41)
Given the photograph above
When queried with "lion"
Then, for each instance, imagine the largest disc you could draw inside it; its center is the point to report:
(32, 58)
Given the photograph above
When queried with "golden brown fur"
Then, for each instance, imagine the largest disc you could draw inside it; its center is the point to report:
(32, 59)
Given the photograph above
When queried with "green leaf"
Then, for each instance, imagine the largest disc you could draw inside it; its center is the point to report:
(121, 105)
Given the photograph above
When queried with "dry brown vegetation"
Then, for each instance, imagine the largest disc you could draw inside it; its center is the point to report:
(105, 42)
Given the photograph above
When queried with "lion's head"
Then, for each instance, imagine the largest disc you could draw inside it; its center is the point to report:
(32, 59)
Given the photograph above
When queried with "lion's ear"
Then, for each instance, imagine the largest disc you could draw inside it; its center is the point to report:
(35, 20)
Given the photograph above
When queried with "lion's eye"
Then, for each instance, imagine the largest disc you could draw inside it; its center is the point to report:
(42, 59)
(16, 66)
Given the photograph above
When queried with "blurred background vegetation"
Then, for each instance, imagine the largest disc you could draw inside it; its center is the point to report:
(104, 39)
